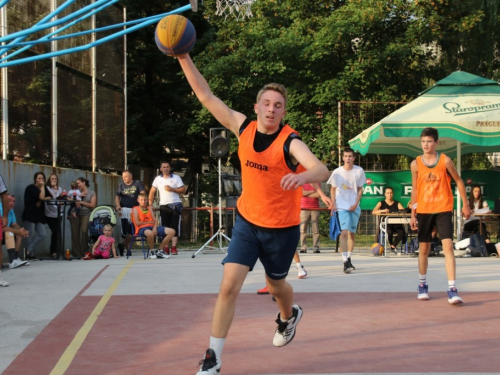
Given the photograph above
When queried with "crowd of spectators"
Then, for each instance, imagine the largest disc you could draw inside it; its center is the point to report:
(44, 206)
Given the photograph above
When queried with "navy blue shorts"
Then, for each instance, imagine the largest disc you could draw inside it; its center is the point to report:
(160, 231)
(275, 249)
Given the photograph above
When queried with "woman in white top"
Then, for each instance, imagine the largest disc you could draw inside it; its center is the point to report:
(475, 203)
(53, 220)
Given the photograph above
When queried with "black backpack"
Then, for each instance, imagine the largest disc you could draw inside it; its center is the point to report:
(477, 246)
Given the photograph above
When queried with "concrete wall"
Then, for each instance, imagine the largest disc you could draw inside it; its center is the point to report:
(18, 176)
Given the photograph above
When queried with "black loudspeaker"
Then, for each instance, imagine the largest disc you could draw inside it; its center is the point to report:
(219, 142)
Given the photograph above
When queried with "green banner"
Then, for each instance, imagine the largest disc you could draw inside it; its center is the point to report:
(373, 191)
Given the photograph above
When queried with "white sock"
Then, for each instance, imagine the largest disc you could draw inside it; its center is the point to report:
(298, 265)
(217, 344)
(422, 279)
(344, 256)
(349, 254)
(451, 284)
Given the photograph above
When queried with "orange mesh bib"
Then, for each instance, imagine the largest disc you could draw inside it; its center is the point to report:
(433, 187)
(263, 202)
(143, 216)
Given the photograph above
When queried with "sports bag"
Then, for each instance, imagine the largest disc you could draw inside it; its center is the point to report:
(477, 246)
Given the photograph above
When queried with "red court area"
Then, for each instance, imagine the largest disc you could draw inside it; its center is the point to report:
(339, 333)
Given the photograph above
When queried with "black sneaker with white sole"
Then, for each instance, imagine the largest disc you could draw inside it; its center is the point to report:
(285, 332)
(160, 254)
(350, 264)
(347, 267)
(210, 365)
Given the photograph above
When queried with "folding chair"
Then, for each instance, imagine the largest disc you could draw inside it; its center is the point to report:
(137, 238)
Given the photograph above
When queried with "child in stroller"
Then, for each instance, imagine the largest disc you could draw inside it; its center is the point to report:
(99, 218)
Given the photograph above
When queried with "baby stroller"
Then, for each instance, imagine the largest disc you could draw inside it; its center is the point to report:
(100, 216)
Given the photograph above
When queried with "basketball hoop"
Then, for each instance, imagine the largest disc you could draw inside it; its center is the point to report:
(238, 8)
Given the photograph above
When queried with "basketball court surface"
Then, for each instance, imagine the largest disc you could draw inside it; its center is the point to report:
(139, 316)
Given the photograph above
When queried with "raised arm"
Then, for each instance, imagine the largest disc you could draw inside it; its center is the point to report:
(226, 116)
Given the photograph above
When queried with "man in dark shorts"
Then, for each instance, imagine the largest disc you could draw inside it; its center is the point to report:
(431, 189)
(275, 165)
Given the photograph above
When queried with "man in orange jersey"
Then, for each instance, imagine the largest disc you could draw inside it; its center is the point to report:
(431, 190)
(275, 164)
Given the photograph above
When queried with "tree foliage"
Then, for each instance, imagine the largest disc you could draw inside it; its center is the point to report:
(323, 52)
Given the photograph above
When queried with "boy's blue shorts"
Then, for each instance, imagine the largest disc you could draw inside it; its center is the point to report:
(274, 248)
(160, 231)
(349, 220)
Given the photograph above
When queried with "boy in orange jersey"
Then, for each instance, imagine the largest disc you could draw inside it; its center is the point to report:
(431, 190)
(275, 163)
(146, 225)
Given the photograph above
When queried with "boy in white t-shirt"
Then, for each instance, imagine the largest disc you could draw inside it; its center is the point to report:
(347, 188)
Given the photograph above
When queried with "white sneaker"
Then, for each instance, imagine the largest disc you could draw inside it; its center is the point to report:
(285, 332)
(161, 254)
(2, 281)
(152, 254)
(17, 263)
(302, 272)
(210, 365)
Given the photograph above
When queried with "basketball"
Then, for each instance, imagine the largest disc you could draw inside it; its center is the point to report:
(175, 35)
(377, 249)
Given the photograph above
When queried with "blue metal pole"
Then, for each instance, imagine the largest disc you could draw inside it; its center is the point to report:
(45, 38)
(3, 2)
(41, 22)
(93, 44)
(48, 25)
(85, 32)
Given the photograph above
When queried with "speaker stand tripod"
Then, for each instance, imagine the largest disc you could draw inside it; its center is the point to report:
(219, 235)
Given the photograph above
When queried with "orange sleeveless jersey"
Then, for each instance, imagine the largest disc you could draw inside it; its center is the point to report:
(433, 187)
(143, 216)
(263, 202)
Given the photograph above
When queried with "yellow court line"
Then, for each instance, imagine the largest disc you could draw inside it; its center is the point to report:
(70, 352)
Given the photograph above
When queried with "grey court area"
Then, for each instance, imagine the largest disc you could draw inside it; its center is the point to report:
(39, 292)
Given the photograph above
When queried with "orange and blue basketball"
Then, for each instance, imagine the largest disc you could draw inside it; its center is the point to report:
(175, 35)
(377, 249)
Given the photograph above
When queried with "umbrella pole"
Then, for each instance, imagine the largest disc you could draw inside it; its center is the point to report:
(459, 200)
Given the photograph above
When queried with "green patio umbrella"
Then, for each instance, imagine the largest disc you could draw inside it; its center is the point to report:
(463, 107)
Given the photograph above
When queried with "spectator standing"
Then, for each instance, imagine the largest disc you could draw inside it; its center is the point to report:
(5, 219)
(347, 188)
(13, 235)
(169, 186)
(126, 199)
(80, 222)
(33, 215)
(310, 199)
(431, 190)
(52, 216)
